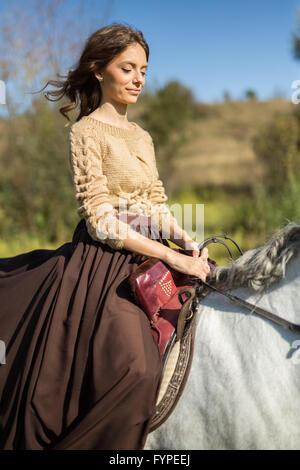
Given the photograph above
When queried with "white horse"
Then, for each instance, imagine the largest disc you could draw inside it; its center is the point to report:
(243, 391)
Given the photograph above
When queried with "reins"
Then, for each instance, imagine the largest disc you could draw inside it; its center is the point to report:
(193, 301)
(287, 325)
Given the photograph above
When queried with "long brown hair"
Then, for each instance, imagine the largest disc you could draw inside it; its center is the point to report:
(81, 86)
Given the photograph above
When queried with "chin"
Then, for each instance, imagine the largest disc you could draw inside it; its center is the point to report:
(128, 99)
(132, 100)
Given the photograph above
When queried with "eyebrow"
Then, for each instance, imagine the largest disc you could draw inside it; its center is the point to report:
(132, 63)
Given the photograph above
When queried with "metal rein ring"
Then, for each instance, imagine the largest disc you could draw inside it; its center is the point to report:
(213, 239)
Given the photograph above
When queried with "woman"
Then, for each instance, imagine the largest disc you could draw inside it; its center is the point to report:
(82, 367)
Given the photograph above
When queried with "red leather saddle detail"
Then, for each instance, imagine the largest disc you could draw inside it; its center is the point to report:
(155, 287)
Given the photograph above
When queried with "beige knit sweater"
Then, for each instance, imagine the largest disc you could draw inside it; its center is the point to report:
(114, 170)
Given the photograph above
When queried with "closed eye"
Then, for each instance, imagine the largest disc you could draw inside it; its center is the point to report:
(126, 70)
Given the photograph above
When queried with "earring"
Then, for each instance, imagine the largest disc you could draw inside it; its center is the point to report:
(100, 79)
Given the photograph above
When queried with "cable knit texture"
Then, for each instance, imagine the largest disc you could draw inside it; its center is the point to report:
(114, 171)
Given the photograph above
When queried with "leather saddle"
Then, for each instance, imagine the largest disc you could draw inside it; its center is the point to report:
(166, 297)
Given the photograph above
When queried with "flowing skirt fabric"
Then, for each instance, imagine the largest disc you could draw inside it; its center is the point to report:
(82, 369)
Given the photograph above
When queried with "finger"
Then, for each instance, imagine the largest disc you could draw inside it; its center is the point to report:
(204, 270)
(204, 265)
(203, 261)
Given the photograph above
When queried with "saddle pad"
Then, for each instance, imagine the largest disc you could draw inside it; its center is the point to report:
(175, 374)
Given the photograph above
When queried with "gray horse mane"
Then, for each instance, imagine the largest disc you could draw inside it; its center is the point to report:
(260, 267)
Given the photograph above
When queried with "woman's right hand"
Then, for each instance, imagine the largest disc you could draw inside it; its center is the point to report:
(194, 266)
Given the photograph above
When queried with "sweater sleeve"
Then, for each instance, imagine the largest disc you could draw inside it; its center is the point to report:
(92, 192)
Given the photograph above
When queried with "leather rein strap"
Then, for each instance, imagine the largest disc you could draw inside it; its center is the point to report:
(287, 325)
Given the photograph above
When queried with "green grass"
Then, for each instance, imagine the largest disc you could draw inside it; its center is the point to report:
(25, 243)
(220, 211)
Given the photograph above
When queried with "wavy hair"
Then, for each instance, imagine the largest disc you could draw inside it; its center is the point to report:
(80, 85)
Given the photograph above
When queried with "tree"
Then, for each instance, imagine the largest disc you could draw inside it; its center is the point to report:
(276, 145)
(31, 41)
(168, 114)
(296, 39)
(35, 178)
(250, 95)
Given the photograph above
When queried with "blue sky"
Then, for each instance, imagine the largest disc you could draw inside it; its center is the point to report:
(215, 45)
(211, 46)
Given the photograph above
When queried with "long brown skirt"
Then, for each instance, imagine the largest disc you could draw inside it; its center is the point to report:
(82, 369)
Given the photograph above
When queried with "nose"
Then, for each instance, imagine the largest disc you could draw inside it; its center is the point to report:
(139, 78)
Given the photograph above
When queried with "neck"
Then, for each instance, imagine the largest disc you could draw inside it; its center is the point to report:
(112, 113)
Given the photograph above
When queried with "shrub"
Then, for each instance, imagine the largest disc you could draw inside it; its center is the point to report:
(276, 146)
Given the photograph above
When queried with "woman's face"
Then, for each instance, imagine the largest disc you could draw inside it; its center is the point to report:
(126, 71)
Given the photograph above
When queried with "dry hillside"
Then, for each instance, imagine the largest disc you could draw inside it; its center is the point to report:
(220, 153)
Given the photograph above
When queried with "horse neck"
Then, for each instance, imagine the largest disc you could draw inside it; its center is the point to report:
(282, 297)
